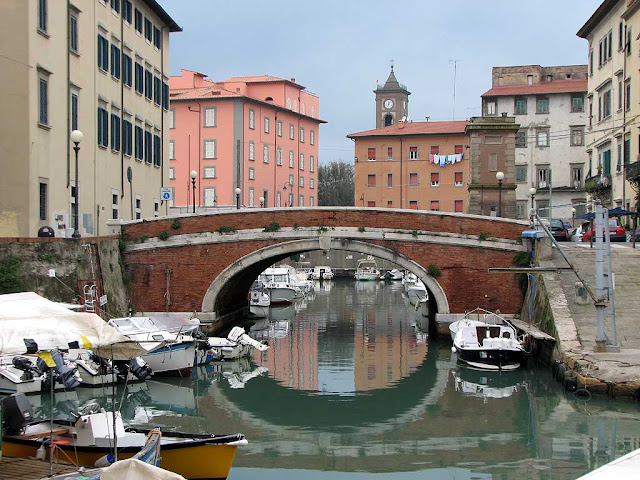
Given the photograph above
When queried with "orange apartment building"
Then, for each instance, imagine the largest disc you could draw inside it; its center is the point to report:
(257, 133)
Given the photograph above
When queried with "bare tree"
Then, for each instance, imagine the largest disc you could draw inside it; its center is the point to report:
(336, 184)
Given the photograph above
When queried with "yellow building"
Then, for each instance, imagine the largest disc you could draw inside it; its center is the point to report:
(98, 66)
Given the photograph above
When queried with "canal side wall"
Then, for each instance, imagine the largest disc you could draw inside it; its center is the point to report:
(25, 265)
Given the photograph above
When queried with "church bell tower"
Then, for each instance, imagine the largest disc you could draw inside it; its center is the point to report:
(392, 102)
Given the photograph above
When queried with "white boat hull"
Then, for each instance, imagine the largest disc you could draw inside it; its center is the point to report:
(281, 294)
(176, 359)
(11, 382)
(367, 276)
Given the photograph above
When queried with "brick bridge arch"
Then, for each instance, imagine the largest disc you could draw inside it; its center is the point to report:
(208, 261)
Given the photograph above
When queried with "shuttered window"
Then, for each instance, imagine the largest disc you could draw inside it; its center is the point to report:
(371, 154)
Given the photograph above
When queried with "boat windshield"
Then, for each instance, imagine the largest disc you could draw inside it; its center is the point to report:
(276, 278)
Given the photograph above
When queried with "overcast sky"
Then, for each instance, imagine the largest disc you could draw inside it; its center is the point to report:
(339, 49)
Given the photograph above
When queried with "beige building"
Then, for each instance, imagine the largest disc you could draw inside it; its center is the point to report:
(99, 66)
(612, 121)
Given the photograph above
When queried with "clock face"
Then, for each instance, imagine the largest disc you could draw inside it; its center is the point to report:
(388, 103)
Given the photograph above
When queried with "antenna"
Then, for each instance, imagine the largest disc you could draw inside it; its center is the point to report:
(455, 71)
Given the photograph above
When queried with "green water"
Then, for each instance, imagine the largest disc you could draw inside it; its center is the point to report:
(352, 387)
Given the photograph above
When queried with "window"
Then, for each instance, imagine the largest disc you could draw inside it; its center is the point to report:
(295, 105)
(604, 104)
(292, 131)
(389, 180)
(413, 153)
(252, 150)
(157, 91)
(577, 103)
(301, 135)
(291, 179)
(103, 127)
(576, 176)
(148, 84)
(210, 117)
(435, 179)
(73, 32)
(577, 136)
(371, 154)
(74, 110)
(172, 118)
(157, 38)
(311, 201)
(103, 53)
(148, 29)
(138, 21)
(490, 107)
(529, 79)
(520, 106)
(209, 149)
(627, 95)
(172, 149)
(628, 45)
(311, 183)
(301, 164)
(115, 61)
(138, 207)
(542, 105)
(542, 138)
(290, 158)
(435, 150)
(209, 172)
(312, 162)
(252, 173)
(313, 112)
(148, 147)
(458, 206)
(458, 179)
(115, 206)
(413, 179)
(156, 204)
(521, 139)
(127, 70)
(43, 201)
(290, 200)
(115, 6)
(312, 137)
(301, 181)
(435, 205)
(301, 200)
(127, 8)
(251, 196)
(521, 174)
(172, 173)
(389, 153)
(521, 209)
(543, 177)
(252, 118)
(493, 162)
(389, 203)
(590, 62)
(42, 15)
(458, 149)
(371, 180)
(413, 204)
(157, 151)
(139, 80)
(43, 98)
(266, 124)
(209, 196)
(139, 139)
(165, 95)
(620, 95)
(265, 153)
(279, 156)
(115, 132)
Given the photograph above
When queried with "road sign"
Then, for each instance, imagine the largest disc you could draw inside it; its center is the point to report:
(103, 300)
(165, 193)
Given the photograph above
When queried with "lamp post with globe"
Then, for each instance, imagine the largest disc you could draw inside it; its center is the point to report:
(76, 138)
(500, 177)
(193, 176)
(237, 191)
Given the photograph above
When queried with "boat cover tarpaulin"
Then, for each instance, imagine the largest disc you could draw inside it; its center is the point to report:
(132, 469)
(30, 323)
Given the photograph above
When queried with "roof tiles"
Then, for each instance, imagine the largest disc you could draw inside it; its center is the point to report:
(557, 86)
(415, 128)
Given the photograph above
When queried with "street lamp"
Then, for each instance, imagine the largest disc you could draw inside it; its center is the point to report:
(194, 175)
(76, 138)
(261, 202)
(238, 192)
(573, 217)
(500, 177)
(532, 192)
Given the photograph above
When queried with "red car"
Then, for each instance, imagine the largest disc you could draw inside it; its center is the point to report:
(617, 232)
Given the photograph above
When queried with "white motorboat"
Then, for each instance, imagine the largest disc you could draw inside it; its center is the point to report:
(393, 275)
(19, 375)
(175, 353)
(408, 279)
(417, 292)
(95, 370)
(322, 272)
(279, 285)
(299, 281)
(259, 300)
(488, 342)
(367, 269)
(236, 345)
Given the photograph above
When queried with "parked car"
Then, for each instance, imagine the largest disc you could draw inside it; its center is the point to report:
(617, 232)
(558, 230)
(577, 235)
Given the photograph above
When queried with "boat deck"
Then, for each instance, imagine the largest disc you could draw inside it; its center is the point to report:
(14, 468)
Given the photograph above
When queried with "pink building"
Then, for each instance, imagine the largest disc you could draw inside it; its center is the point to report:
(258, 133)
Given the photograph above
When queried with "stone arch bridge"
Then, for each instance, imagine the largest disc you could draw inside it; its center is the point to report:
(207, 262)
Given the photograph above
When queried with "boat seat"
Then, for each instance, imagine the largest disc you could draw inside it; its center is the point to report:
(58, 431)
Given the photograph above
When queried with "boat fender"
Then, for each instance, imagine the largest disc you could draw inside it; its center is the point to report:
(104, 461)
(453, 349)
(560, 372)
(41, 452)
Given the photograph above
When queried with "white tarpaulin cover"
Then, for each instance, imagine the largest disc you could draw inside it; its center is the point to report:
(29, 321)
(132, 469)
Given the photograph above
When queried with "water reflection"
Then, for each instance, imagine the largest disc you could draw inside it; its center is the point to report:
(352, 386)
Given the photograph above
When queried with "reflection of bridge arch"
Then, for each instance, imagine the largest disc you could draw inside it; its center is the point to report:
(237, 277)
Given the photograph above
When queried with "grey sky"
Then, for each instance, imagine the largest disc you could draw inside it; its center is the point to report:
(338, 49)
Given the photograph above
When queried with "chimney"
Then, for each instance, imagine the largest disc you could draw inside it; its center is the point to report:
(293, 79)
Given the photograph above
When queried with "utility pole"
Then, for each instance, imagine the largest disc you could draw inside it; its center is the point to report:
(550, 197)
(455, 71)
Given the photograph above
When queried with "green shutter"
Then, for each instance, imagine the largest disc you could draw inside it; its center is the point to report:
(607, 162)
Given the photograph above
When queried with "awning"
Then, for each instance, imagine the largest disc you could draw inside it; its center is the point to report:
(614, 212)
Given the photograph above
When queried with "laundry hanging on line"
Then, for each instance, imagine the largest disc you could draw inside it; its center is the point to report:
(443, 160)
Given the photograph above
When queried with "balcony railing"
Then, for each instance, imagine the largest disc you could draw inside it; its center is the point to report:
(598, 185)
(632, 171)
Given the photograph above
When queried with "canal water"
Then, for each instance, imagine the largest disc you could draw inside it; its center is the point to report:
(353, 387)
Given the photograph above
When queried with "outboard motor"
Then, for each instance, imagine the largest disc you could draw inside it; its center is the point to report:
(140, 369)
(63, 371)
(24, 364)
(17, 413)
(103, 365)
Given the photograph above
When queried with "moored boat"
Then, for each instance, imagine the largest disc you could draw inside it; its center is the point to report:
(367, 269)
(259, 300)
(322, 272)
(279, 285)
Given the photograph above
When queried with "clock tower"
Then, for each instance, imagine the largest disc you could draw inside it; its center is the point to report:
(392, 102)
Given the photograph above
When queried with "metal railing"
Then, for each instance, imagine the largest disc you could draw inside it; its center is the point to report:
(632, 171)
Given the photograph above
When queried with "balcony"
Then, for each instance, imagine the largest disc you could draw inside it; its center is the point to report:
(598, 186)
(632, 171)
